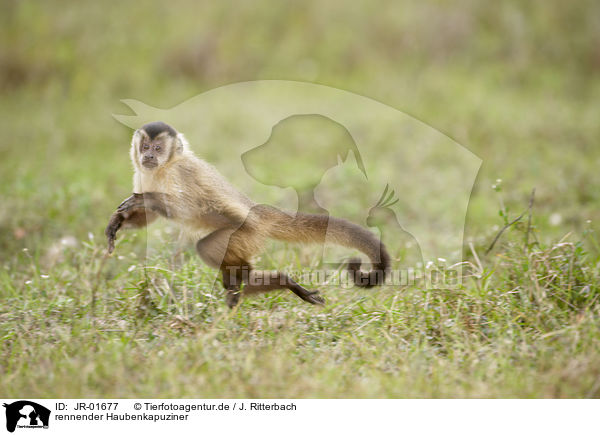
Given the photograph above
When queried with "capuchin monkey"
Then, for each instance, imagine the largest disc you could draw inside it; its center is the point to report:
(171, 182)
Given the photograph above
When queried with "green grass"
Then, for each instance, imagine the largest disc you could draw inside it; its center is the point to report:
(516, 84)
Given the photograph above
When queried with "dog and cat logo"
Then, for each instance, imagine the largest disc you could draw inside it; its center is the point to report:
(25, 414)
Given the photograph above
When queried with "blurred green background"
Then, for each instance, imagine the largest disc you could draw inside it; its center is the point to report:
(517, 83)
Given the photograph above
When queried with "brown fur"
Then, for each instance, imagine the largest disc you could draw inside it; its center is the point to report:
(191, 192)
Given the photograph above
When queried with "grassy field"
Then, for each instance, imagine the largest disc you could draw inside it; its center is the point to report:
(517, 84)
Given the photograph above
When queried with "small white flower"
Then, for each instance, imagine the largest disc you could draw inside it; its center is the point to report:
(25, 250)
(442, 260)
(131, 268)
(429, 265)
(90, 236)
(68, 241)
(555, 219)
(44, 276)
(498, 180)
(28, 282)
(120, 257)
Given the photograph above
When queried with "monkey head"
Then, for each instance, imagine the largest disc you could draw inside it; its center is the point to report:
(155, 144)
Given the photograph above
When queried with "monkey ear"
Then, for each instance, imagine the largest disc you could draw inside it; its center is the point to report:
(136, 137)
(181, 143)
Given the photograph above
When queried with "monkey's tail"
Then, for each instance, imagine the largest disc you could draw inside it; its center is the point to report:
(313, 228)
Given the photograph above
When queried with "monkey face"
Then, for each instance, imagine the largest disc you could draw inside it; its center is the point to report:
(152, 152)
(154, 144)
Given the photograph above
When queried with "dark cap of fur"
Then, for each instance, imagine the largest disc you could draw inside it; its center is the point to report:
(155, 128)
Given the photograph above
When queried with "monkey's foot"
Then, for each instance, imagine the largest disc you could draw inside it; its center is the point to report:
(312, 297)
(316, 298)
(232, 298)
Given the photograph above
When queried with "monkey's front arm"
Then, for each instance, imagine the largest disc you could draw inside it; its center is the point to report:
(137, 211)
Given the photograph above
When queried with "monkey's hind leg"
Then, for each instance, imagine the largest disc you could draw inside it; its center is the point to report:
(264, 280)
(215, 251)
(227, 249)
(260, 281)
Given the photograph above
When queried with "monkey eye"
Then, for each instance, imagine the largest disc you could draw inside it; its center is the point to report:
(145, 146)
(157, 147)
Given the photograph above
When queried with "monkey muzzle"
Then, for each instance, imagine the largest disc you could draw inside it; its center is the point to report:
(149, 161)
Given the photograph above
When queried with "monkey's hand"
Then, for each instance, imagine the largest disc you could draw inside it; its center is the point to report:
(134, 201)
(118, 217)
(137, 211)
(149, 201)
(123, 214)
(115, 222)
